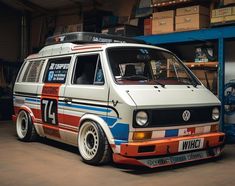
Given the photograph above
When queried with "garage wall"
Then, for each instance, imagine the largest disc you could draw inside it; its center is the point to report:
(120, 7)
(10, 34)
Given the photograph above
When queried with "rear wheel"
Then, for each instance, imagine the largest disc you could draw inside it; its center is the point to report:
(24, 127)
(93, 144)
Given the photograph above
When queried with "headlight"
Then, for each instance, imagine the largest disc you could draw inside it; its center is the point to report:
(215, 113)
(141, 118)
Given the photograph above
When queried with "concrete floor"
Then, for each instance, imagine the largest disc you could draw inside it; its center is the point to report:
(50, 163)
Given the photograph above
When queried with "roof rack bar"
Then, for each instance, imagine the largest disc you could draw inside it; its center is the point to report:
(89, 37)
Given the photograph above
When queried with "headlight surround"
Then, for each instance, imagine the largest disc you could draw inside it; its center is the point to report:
(141, 118)
(215, 113)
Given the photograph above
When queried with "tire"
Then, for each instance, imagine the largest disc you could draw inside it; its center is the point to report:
(93, 144)
(24, 127)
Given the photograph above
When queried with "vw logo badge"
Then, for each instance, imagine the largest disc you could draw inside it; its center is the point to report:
(186, 115)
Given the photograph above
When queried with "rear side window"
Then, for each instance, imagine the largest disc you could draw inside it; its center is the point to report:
(57, 70)
(32, 71)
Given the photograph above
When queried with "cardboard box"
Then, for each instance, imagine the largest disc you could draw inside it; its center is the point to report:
(223, 12)
(228, 2)
(123, 20)
(223, 19)
(164, 14)
(160, 26)
(147, 27)
(159, 1)
(222, 15)
(208, 78)
(191, 22)
(197, 9)
(128, 31)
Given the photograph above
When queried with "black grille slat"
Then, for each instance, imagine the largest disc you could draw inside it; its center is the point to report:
(173, 116)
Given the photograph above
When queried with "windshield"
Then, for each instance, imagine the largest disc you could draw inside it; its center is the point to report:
(140, 65)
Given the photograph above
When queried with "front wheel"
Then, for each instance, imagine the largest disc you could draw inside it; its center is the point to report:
(93, 144)
(24, 127)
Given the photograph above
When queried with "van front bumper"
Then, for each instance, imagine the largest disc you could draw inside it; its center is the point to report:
(169, 151)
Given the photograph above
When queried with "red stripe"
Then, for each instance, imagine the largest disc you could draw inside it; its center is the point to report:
(51, 131)
(36, 112)
(71, 120)
(191, 130)
(86, 48)
(51, 91)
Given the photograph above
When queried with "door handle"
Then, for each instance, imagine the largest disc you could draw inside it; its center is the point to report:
(68, 100)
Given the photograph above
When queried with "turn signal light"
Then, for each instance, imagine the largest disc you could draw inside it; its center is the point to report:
(214, 128)
(142, 135)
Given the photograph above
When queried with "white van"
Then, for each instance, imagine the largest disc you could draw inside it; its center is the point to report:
(127, 102)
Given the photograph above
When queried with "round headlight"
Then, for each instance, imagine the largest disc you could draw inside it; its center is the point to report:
(141, 118)
(215, 113)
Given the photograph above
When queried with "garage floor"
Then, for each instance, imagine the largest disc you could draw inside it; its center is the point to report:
(50, 163)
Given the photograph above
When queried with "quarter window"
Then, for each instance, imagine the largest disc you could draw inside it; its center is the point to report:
(88, 70)
(32, 71)
(57, 70)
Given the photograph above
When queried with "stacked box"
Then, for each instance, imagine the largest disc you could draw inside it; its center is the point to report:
(229, 2)
(147, 26)
(163, 22)
(222, 15)
(192, 18)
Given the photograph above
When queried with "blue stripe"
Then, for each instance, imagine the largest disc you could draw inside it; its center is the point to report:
(32, 100)
(109, 120)
(119, 142)
(171, 133)
(85, 107)
(120, 131)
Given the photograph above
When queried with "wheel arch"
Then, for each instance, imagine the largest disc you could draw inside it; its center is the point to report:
(101, 122)
(28, 110)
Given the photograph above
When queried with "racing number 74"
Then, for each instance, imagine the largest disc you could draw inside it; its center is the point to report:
(49, 111)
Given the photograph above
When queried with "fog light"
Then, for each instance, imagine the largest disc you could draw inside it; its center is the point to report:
(142, 135)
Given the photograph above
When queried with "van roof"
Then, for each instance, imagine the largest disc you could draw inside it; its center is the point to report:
(70, 48)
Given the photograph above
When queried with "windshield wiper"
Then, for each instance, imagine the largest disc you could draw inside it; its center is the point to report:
(188, 80)
(194, 83)
(159, 83)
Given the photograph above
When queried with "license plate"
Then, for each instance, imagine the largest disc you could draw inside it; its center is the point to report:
(193, 144)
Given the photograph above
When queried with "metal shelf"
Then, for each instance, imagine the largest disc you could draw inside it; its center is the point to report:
(201, 64)
(170, 3)
(189, 36)
(219, 34)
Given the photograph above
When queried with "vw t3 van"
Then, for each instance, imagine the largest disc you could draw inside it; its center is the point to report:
(116, 99)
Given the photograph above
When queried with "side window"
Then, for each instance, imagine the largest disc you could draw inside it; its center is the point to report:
(57, 69)
(88, 70)
(32, 71)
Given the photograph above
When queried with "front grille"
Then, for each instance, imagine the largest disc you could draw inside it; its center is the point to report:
(173, 116)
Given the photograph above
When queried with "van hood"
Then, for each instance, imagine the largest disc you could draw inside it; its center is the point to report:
(171, 96)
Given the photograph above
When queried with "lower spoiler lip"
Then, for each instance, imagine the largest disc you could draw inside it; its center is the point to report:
(154, 162)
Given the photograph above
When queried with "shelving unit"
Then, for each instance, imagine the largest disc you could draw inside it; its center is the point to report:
(202, 64)
(169, 3)
(219, 34)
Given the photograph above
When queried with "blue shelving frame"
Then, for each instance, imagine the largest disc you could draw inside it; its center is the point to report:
(220, 34)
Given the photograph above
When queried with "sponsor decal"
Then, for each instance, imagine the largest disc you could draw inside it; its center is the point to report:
(156, 162)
